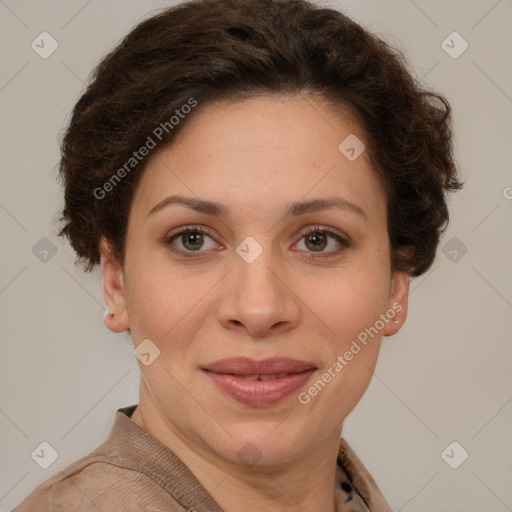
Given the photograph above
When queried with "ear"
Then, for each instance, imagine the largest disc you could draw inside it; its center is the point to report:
(398, 296)
(113, 290)
(397, 302)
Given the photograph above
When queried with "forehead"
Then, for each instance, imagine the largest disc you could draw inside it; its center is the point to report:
(263, 151)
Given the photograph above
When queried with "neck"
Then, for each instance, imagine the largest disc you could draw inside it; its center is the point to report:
(306, 483)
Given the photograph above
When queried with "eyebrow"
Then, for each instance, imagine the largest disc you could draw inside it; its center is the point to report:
(293, 210)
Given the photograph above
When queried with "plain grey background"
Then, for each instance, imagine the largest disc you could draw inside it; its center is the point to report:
(444, 378)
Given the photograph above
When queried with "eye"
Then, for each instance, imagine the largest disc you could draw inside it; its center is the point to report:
(191, 239)
(317, 238)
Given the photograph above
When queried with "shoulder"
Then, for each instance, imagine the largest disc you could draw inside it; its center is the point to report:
(361, 478)
(96, 482)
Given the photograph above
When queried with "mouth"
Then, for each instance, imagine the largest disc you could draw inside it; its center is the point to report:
(261, 376)
(245, 366)
(258, 383)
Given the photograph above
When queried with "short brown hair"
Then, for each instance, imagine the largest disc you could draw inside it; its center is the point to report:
(206, 50)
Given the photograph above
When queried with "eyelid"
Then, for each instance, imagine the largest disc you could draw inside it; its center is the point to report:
(191, 227)
(325, 229)
(340, 237)
(171, 236)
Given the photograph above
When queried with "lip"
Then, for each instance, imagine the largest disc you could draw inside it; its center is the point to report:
(248, 366)
(228, 375)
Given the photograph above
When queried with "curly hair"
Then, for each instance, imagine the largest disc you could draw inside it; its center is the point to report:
(206, 50)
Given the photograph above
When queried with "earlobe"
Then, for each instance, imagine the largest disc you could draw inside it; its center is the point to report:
(398, 303)
(116, 316)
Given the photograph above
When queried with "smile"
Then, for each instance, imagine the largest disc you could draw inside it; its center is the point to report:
(258, 383)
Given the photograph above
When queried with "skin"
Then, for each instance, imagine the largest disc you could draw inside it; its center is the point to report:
(255, 157)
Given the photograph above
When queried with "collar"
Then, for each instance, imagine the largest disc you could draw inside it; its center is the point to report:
(130, 444)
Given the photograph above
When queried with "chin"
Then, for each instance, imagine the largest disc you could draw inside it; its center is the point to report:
(262, 443)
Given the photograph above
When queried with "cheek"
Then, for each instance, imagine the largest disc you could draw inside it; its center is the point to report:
(352, 307)
(165, 305)
(349, 301)
(351, 344)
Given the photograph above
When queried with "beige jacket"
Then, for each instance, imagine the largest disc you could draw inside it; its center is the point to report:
(133, 472)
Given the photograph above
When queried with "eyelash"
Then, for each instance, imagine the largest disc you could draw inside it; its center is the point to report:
(345, 243)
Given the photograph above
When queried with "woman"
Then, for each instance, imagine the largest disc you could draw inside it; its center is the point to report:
(258, 179)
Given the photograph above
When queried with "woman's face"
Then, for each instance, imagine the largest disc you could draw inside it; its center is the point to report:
(256, 285)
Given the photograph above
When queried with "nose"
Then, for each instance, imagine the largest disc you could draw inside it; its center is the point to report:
(257, 298)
